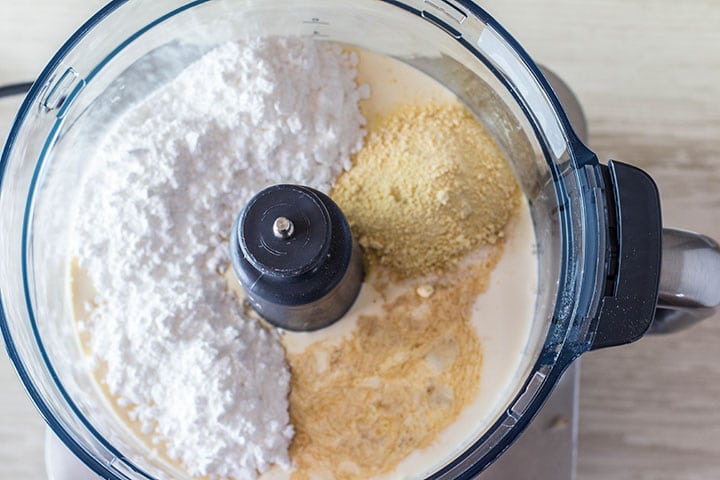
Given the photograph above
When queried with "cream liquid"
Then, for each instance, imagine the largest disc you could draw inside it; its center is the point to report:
(502, 315)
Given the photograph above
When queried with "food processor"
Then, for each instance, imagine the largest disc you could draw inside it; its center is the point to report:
(608, 272)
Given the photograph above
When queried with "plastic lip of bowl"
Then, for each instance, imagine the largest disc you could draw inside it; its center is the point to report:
(551, 363)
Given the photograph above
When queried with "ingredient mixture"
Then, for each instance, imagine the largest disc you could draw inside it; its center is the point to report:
(429, 196)
(205, 383)
(429, 186)
(403, 376)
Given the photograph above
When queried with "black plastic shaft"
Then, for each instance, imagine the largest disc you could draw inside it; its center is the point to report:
(295, 257)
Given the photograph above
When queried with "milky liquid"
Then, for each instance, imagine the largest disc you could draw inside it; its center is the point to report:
(502, 315)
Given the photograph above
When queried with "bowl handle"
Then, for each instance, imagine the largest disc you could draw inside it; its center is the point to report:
(689, 281)
(658, 280)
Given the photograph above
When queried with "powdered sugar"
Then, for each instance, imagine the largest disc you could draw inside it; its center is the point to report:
(153, 220)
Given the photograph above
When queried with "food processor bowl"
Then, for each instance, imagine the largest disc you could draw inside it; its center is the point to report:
(598, 228)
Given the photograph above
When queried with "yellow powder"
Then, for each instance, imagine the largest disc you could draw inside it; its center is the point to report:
(362, 406)
(429, 186)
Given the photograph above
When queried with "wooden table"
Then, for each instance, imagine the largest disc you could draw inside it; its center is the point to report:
(648, 76)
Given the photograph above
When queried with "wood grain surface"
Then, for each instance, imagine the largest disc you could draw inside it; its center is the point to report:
(648, 76)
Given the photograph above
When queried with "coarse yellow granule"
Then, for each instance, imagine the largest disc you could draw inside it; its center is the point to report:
(429, 186)
(361, 406)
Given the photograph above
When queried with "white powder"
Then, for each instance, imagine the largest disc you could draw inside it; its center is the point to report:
(151, 232)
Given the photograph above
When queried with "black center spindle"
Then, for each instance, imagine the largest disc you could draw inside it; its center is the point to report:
(295, 257)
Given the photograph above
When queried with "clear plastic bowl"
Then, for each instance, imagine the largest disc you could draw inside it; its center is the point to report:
(130, 48)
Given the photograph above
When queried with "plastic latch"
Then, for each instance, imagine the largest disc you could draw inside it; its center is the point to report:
(450, 15)
(447, 9)
(59, 91)
(633, 256)
(519, 408)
